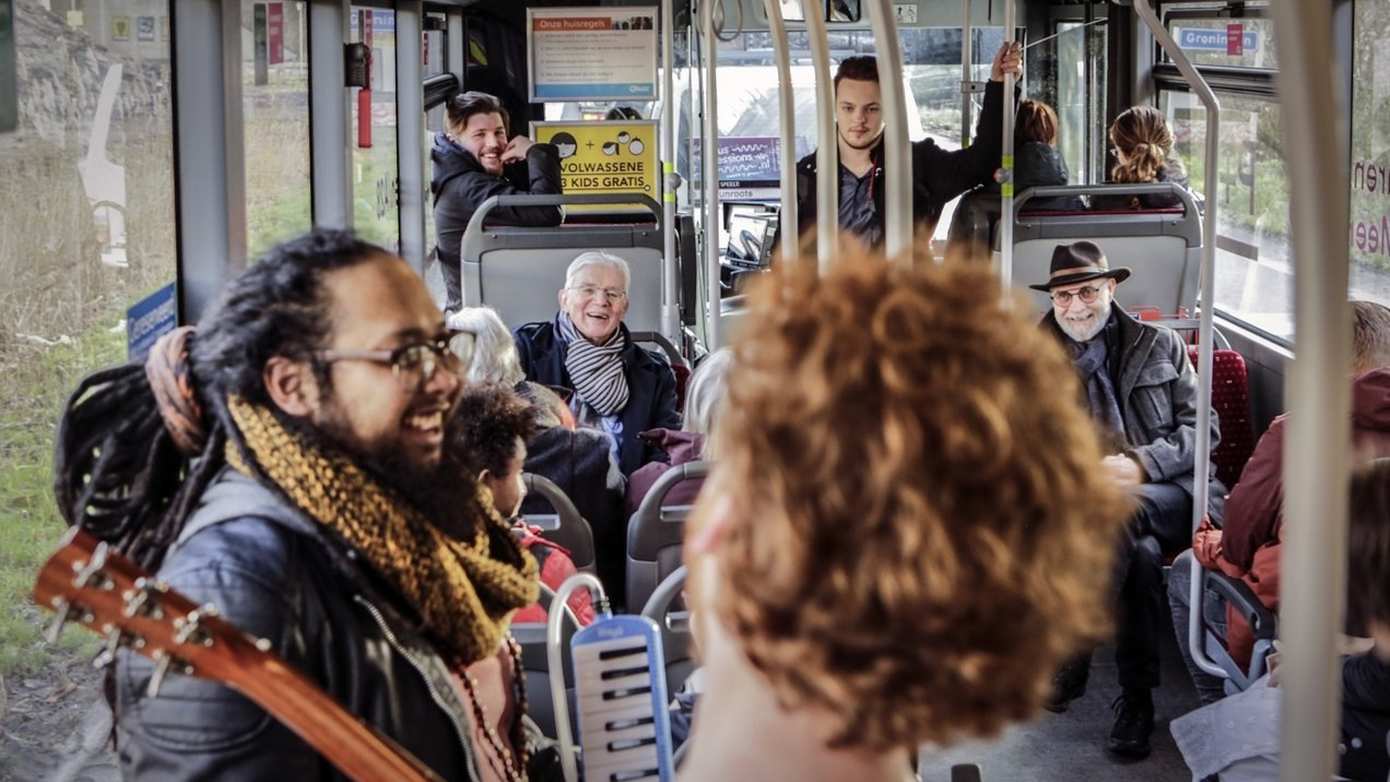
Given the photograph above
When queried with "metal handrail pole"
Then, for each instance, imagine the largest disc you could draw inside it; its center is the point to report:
(897, 153)
(709, 96)
(1202, 459)
(1312, 595)
(966, 76)
(827, 139)
(670, 308)
(786, 111)
(1006, 183)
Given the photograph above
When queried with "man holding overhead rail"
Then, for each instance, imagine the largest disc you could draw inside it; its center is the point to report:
(937, 175)
(1142, 392)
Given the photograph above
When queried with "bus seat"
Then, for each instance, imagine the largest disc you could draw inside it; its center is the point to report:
(972, 225)
(1264, 625)
(1162, 247)
(517, 270)
(674, 626)
(565, 527)
(678, 365)
(655, 534)
(1230, 398)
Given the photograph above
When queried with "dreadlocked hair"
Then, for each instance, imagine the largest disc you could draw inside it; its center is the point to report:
(118, 472)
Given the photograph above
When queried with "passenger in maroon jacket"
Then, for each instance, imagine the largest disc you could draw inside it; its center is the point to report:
(1248, 544)
(702, 402)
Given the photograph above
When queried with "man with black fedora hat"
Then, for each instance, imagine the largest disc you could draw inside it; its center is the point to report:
(1142, 391)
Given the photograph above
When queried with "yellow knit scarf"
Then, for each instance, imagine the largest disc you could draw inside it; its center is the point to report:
(464, 591)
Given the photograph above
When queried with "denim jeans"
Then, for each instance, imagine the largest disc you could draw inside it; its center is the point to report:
(1209, 688)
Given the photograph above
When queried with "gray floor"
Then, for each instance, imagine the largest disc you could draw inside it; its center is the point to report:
(1071, 746)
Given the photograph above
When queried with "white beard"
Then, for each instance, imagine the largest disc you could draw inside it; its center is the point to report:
(1085, 332)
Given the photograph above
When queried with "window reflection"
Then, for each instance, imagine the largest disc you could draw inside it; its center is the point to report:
(275, 102)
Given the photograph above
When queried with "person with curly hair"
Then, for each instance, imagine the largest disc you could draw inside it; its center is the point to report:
(899, 539)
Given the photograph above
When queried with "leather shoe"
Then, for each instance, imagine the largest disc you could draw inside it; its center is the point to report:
(1069, 683)
(1134, 722)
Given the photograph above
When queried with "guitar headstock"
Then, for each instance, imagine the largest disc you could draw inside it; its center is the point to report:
(88, 582)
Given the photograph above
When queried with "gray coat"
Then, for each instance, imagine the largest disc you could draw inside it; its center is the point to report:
(1157, 389)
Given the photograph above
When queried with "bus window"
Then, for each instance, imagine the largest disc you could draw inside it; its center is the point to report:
(1370, 154)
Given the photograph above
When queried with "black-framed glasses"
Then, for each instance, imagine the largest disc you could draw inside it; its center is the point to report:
(413, 364)
(1087, 295)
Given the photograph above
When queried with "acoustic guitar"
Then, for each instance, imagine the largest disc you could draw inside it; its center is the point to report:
(89, 583)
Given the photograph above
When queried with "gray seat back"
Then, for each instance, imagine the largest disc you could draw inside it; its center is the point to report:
(1162, 247)
(518, 270)
(565, 527)
(655, 534)
(674, 626)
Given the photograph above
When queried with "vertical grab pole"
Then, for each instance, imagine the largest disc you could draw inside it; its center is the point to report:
(966, 77)
(897, 160)
(1006, 184)
(710, 169)
(827, 140)
(1202, 459)
(786, 110)
(1312, 596)
(670, 311)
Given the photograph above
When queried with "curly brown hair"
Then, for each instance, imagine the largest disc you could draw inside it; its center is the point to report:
(921, 532)
(484, 426)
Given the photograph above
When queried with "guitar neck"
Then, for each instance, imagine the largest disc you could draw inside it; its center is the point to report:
(357, 749)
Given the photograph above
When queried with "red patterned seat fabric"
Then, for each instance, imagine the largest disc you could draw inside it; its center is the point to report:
(1230, 398)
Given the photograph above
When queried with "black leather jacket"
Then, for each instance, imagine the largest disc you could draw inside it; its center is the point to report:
(276, 574)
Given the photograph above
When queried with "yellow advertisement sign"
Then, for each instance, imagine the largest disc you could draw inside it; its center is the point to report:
(618, 156)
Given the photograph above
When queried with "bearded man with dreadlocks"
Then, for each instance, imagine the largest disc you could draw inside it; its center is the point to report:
(282, 463)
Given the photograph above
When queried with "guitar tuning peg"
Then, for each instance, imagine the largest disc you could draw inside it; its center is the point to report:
(144, 598)
(188, 629)
(63, 612)
(90, 573)
(107, 655)
(162, 661)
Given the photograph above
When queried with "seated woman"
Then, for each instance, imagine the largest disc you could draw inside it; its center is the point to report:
(1143, 145)
(1237, 737)
(906, 529)
(487, 443)
(619, 386)
(703, 398)
(578, 460)
(1039, 161)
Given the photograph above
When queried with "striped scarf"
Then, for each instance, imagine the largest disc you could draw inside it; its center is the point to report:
(465, 590)
(595, 370)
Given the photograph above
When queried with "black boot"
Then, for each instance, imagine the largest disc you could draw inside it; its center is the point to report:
(1134, 722)
(1069, 683)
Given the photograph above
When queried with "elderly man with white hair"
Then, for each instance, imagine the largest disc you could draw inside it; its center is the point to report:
(619, 386)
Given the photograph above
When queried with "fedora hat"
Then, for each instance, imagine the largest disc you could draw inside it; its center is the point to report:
(1079, 262)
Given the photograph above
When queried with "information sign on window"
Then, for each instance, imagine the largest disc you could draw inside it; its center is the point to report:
(604, 157)
(583, 54)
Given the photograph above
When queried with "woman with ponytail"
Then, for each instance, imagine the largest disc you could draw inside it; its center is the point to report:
(1143, 147)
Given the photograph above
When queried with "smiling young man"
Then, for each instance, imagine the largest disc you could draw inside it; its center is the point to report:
(285, 466)
(476, 159)
(938, 175)
(1141, 391)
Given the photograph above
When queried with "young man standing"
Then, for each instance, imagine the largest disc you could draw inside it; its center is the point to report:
(937, 175)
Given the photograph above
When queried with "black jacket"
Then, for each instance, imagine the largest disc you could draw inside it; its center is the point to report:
(1041, 165)
(1365, 718)
(651, 402)
(938, 175)
(1173, 172)
(579, 462)
(276, 574)
(460, 186)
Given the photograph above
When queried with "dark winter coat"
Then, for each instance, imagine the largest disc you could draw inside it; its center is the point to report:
(1041, 165)
(460, 185)
(1157, 390)
(277, 574)
(1172, 172)
(938, 175)
(651, 402)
